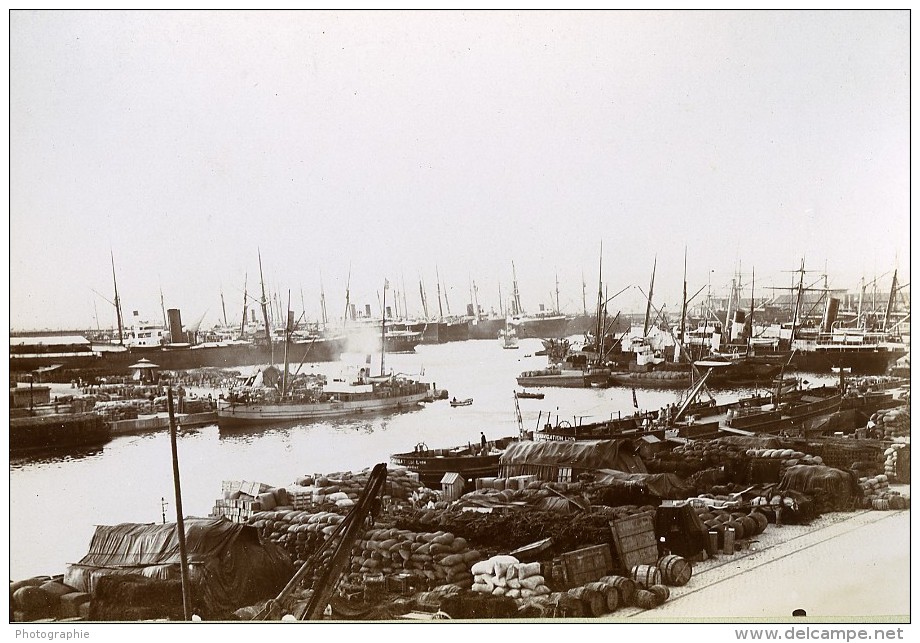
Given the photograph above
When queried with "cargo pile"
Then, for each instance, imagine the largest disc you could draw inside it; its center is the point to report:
(44, 597)
(437, 557)
(507, 576)
(892, 423)
(897, 462)
(878, 495)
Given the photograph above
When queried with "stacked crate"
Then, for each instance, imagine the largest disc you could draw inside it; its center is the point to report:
(240, 500)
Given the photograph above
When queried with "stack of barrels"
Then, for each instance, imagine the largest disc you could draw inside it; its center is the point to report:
(652, 581)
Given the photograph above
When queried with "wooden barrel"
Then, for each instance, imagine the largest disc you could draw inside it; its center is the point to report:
(609, 592)
(646, 575)
(646, 599)
(661, 592)
(881, 504)
(565, 605)
(592, 602)
(761, 520)
(896, 502)
(626, 588)
(675, 570)
(750, 526)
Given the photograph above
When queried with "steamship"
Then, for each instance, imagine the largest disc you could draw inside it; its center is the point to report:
(169, 348)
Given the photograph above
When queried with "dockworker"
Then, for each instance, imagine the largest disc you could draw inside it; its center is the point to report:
(483, 441)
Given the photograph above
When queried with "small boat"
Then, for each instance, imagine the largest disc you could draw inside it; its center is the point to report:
(528, 395)
(467, 402)
(470, 460)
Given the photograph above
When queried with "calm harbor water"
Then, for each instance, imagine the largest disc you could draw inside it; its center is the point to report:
(56, 500)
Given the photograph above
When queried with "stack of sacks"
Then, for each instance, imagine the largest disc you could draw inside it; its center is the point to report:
(300, 533)
(341, 487)
(894, 422)
(878, 495)
(439, 556)
(891, 456)
(507, 576)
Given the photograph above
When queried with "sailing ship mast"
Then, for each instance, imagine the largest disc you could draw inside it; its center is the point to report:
(557, 293)
(223, 304)
(383, 326)
(322, 300)
(750, 324)
(516, 307)
(245, 302)
(121, 325)
(264, 302)
(683, 313)
(599, 332)
(421, 292)
(798, 304)
(163, 308)
(437, 277)
(648, 306)
(288, 327)
(891, 296)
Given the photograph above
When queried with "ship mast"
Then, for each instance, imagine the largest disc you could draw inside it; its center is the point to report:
(683, 313)
(264, 302)
(475, 301)
(402, 279)
(223, 304)
(121, 325)
(322, 300)
(347, 296)
(599, 331)
(245, 303)
(798, 304)
(891, 296)
(750, 334)
(648, 306)
(437, 277)
(516, 307)
(557, 293)
(421, 293)
(163, 308)
(383, 326)
(287, 340)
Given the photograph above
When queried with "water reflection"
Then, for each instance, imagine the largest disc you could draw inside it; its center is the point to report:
(365, 423)
(54, 455)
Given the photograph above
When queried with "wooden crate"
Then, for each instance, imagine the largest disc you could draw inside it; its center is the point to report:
(586, 565)
(634, 540)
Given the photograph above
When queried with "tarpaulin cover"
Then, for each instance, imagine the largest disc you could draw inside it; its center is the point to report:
(668, 486)
(229, 566)
(586, 455)
(810, 479)
(751, 441)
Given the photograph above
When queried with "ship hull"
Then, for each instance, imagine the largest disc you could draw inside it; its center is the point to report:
(230, 414)
(863, 362)
(110, 360)
(486, 328)
(540, 327)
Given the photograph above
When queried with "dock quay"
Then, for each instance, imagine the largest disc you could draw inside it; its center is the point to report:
(160, 421)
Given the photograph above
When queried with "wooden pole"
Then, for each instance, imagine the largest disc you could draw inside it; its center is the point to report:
(180, 524)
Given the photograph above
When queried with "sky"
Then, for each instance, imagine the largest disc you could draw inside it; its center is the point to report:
(350, 148)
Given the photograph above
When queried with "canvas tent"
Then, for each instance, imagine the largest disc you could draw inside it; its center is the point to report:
(229, 566)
